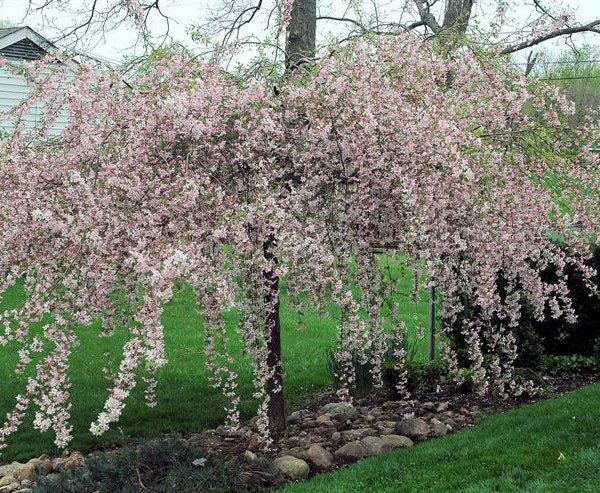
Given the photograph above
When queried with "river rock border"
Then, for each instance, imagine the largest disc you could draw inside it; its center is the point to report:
(340, 433)
(333, 435)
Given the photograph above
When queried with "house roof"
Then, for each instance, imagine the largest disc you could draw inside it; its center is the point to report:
(8, 30)
(23, 43)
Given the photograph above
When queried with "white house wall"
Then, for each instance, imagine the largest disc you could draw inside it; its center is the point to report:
(13, 90)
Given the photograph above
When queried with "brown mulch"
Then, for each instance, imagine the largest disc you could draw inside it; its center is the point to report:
(556, 385)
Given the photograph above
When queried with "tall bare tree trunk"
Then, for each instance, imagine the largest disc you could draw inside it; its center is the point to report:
(457, 16)
(300, 43)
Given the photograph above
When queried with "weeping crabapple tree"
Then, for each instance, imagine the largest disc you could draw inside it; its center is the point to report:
(182, 176)
(448, 162)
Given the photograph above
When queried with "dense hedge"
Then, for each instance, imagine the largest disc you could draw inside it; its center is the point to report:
(583, 337)
(550, 336)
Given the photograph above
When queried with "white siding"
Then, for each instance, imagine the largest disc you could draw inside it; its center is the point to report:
(13, 90)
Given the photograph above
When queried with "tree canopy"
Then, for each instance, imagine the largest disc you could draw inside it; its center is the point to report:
(184, 174)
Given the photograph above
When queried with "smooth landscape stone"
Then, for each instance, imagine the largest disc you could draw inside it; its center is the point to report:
(292, 467)
(413, 428)
(351, 452)
(10, 469)
(439, 428)
(26, 471)
(44, 467)
(74, 460)
(320, 457)
(10, 487)
(357, 434)
(6, 480)
(338, 409)
(443, 406)
(396, 441)
(373, 445)
(58, 464)
(250, 456)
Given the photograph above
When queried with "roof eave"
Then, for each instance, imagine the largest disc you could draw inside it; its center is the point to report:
(26, 33)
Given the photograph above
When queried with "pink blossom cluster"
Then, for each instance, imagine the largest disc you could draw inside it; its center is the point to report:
(135, 10)
(286, 12)
(183, 176)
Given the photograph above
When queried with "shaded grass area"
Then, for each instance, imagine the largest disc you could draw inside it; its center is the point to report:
(186, 400)
(551, 446)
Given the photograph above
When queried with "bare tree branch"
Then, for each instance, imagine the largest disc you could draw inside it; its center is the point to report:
(593, 26)
(85, 25)
(96, 19)
(340, 19)
(427, 17)
(538, 6)
(531, 59)
(240, 21)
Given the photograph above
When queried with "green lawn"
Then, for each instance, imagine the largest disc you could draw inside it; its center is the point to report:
(514, 451)
(186, 401)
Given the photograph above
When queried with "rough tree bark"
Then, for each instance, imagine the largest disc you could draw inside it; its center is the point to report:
(457, 16)
(276, 405)
(300, 43)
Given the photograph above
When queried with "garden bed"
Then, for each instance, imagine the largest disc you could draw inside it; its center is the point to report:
(322, 436)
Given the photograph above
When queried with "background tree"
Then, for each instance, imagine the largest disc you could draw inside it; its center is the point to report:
(261, 24)
(301, 42)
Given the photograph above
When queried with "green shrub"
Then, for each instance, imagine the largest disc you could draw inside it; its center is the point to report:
(363, 367)
(562, 338)
(421, 376)
(522, 375)
(161, 465)
(530, 346)
(362, 372)
(465, 378)
(534, 338)
(572, 363)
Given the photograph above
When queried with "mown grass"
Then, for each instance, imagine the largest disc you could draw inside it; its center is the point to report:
(551, 446)
(186, 401)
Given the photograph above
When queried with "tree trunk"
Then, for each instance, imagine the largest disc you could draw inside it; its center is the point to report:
(300, 46)
(276, 406)
(300, 43)
(457, 17)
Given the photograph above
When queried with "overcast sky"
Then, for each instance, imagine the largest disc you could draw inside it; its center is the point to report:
(189, 12)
